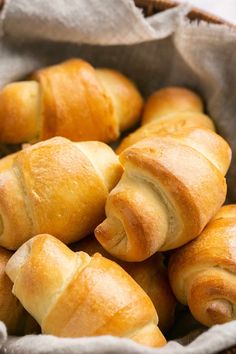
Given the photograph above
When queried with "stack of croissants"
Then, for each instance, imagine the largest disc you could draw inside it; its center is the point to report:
(150, 213)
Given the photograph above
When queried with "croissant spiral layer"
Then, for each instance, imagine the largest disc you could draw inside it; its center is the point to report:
(202, 273)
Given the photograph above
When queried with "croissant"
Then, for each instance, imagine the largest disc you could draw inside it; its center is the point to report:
(168, 111)
(170, 189)
(172, 124)
(202, 273)
(74, 295)
(55, 186)
(71, 99)
(17, 320)
(151, 275)
(171, 99)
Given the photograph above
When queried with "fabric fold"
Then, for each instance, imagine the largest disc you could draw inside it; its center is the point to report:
(114, 22)
(214, 340)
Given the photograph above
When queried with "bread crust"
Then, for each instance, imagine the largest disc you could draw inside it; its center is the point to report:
(151, 275)
(202, 273)
(71, 99)
(56, 186)
(171, 99)
(170, 189)
(16, 319)
(74, 295)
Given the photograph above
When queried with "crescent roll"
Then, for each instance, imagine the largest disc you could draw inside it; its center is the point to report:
(16, 319)
(171, 99)
(71, 99)
(169, 111)
(74, 295)
(170, 189)
(203, 272)
(151, 275)
(55, 186)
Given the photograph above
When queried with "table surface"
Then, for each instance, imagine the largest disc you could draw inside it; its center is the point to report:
(225, 9)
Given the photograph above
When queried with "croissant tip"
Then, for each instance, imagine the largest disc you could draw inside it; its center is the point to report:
(219, 311)
(17, 260)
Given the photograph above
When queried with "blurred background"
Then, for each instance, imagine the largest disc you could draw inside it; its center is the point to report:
(222, 8)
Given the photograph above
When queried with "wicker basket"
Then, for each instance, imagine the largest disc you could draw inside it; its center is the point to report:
(151, 7)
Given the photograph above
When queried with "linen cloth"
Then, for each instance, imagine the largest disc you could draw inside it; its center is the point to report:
(164, 49)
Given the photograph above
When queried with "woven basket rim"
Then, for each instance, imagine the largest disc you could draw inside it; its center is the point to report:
(150, 7)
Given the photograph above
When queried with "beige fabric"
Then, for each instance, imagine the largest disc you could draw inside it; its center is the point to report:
(163, 49)
(209, 342)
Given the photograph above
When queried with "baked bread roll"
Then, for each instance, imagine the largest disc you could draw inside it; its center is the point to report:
(151, 275)
(16, 319)
(169, 191)
(172, 124)
(171, 99)
(202, 273)
(74, 295)
(71, 99)
(55, 186)
(169, 111)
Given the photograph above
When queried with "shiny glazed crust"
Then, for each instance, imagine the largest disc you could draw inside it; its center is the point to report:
(67, 293)
(172, 124)
(202, 273)
(169, 191)
(16, 319)
(151, 275)
(169, 111)
(171, 99)
(71, 99)
(55, 186)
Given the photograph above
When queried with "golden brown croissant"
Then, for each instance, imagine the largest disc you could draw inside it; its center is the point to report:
(171, 99)
(169, 111)
(17, 320)
(74, 295)
(169, 191)
(71, 99)
(172, 124)
(203, 272)
(151, 275)
(55, 186)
